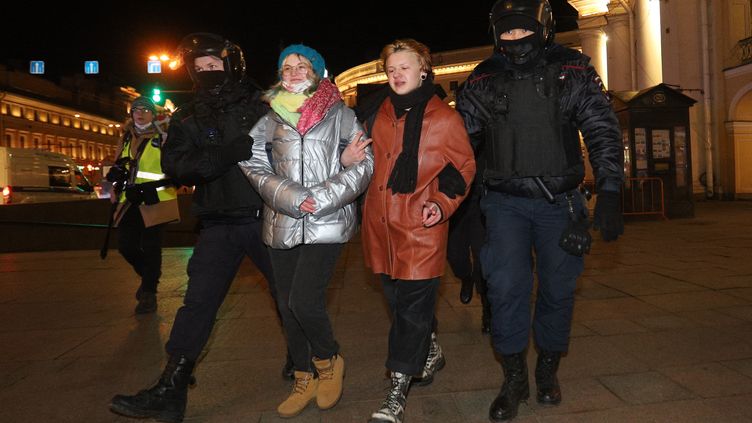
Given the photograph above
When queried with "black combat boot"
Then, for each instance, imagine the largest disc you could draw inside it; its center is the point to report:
(515, 389)
(545, 378)
(147, 303)
(393, 408)
(164, 401)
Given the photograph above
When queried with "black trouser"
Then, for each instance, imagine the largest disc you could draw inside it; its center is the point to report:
(466, 236)
(303, 274)
(219, 250)
(516, 227)
(141, 247)
(412, 304)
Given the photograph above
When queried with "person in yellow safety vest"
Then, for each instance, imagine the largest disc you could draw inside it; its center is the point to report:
(147, 200)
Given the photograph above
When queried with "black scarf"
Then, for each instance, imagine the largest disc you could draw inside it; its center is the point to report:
(404, 175)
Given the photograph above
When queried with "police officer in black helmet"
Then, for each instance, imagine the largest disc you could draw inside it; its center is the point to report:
(523, 107)
(206, 140)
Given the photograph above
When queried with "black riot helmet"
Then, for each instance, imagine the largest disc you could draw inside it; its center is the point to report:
(201, 44)
(537, 10)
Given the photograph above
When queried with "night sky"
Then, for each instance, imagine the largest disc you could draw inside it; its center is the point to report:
(121, 35)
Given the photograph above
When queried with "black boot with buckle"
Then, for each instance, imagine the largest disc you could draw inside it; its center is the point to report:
(546, 381)
(165, 401)
(515, 389)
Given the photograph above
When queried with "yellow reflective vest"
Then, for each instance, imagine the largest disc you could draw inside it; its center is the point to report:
(148, 168)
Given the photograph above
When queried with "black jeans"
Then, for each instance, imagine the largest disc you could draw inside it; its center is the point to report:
(141, 247)
(303, 274)
(219, 250)
(412, 304)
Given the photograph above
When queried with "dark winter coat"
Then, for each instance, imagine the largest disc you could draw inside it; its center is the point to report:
(201, 151)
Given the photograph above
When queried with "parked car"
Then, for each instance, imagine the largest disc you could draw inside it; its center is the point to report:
(37, 176)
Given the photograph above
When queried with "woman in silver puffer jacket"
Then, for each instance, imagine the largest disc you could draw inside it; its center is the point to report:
(309, 164)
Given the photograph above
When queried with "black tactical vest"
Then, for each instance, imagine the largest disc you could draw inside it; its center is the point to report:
(529, 135)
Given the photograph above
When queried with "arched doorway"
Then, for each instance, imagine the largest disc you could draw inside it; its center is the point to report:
(740, 134)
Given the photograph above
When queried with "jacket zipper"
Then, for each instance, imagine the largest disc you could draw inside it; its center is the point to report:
(302, 175)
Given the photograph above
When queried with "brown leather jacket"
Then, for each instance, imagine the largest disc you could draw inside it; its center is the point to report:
(395, 242)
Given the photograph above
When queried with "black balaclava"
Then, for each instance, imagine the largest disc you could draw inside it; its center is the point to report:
(211, 80)
(523, 53)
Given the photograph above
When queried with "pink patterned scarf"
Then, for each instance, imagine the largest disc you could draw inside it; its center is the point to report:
(314, 109)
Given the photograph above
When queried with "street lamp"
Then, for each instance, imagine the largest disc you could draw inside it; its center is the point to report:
(172, 63)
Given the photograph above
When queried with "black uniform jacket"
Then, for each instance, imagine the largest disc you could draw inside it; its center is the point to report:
(583, 102)
(193, 154)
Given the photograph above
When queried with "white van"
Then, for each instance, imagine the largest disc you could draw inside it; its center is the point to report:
(37, 176)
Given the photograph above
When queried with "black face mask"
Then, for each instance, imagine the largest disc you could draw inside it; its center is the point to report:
(209, 80)
(524, 52)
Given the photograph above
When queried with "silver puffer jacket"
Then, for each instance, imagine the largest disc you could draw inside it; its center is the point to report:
(307, 166)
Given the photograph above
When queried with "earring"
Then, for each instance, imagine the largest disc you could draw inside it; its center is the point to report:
(423, 76)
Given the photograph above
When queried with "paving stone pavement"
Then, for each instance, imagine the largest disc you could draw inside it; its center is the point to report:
(662, 332)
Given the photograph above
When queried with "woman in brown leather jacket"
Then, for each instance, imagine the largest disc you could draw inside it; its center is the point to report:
(423, 166)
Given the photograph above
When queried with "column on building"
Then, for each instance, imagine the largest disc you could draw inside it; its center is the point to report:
(594, 45)
(617, 47)
(648, 43)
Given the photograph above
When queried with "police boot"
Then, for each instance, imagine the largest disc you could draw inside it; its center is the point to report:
(434, 362)
(515, 389)
(393, 408)
(147, 303)
(545, 378)
(466, 290)
(164, 401)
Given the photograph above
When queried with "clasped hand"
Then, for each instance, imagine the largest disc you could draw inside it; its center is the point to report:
(355, 152)
(431, 214)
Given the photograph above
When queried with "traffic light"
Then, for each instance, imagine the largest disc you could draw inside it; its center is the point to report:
(156, 95)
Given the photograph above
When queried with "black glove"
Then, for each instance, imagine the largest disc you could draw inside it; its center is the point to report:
(134, 194)
(576, 238)
(150, 196)
(117, 174)
(238, 150)
(451, 182)
(607, 217)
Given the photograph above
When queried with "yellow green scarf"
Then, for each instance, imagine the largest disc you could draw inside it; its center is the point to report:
(287, 104)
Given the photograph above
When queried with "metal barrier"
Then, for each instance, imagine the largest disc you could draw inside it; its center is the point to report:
(643, 196)
(639, 196)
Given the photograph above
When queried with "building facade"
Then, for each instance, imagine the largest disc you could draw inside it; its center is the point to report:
(701, 48)
(80, 123)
